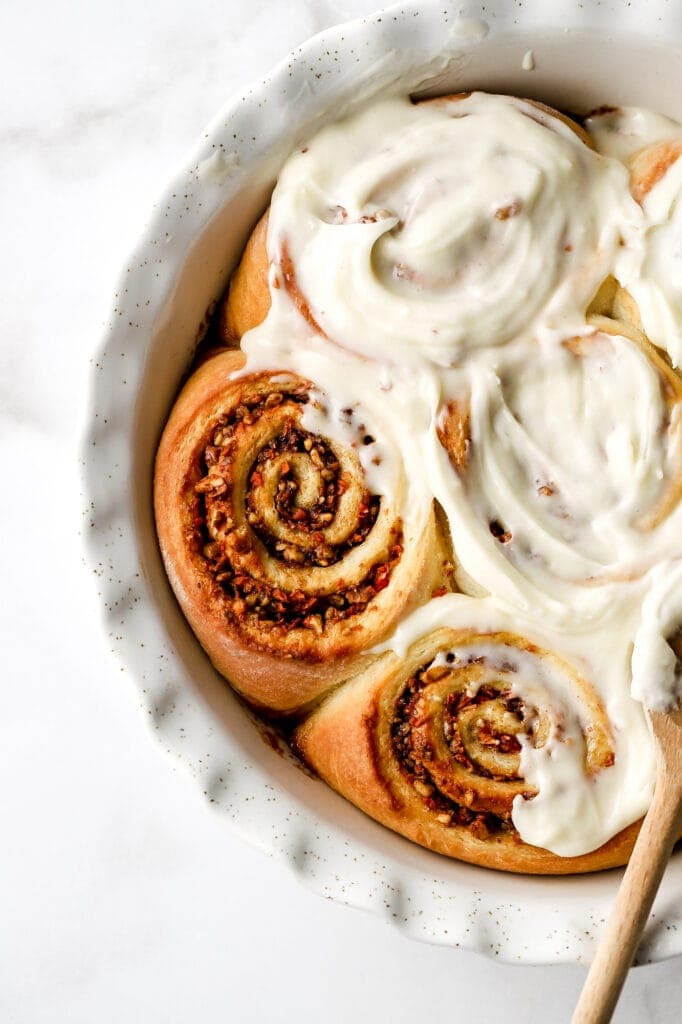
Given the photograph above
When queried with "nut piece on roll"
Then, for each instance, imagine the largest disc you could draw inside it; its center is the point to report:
(285, 563)
(432, 745)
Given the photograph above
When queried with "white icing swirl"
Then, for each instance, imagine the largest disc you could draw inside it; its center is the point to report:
(427, 230)
(652, 270)
(572, 812)
(575, 457)
(656, 669)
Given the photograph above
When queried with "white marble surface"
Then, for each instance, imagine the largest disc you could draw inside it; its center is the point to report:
(121, 897)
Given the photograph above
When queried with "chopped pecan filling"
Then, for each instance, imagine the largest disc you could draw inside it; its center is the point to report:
(505, 743)
(229, 549)
(312, 519)
(250, 598)
(414, 754)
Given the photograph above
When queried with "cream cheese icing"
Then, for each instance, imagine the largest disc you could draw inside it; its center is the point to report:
(652, 271)
(448, 252)
(422, 231)
(656, 668)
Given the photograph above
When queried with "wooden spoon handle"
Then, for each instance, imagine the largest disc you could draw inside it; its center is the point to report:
(641, 880)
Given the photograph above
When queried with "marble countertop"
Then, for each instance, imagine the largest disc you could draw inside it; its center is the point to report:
(121, 897)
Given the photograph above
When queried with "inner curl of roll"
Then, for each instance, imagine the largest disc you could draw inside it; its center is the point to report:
(306, 500)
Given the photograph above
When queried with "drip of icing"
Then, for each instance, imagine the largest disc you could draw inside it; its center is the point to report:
(652, 270)
(656, 668)
(469, 30)
(217, 167)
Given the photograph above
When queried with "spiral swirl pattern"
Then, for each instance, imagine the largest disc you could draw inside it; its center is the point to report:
(447, 744)
(291, 532)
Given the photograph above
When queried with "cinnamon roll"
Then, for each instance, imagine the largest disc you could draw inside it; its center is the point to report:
(568, 466)
(656, 280)
(286, 563)
(444, 745)
(414, 228)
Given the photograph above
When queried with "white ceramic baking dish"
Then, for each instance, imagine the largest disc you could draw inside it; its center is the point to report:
(583, 55)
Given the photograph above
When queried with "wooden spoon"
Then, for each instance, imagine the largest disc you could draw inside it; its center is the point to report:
(660, 829)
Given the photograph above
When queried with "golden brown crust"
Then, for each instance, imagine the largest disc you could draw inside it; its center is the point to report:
(286, 593)
(248, 297)
(347, 741)
(648, 166)
(454, 432)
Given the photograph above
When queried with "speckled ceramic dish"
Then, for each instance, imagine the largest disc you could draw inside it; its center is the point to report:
(583, 55)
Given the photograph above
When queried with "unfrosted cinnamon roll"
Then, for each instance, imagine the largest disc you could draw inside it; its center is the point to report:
(285, 562)
(434, 745)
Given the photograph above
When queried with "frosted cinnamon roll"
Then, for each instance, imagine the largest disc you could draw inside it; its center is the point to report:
(288, 555)
(424, 231)
(568, 467)
(453, 743)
